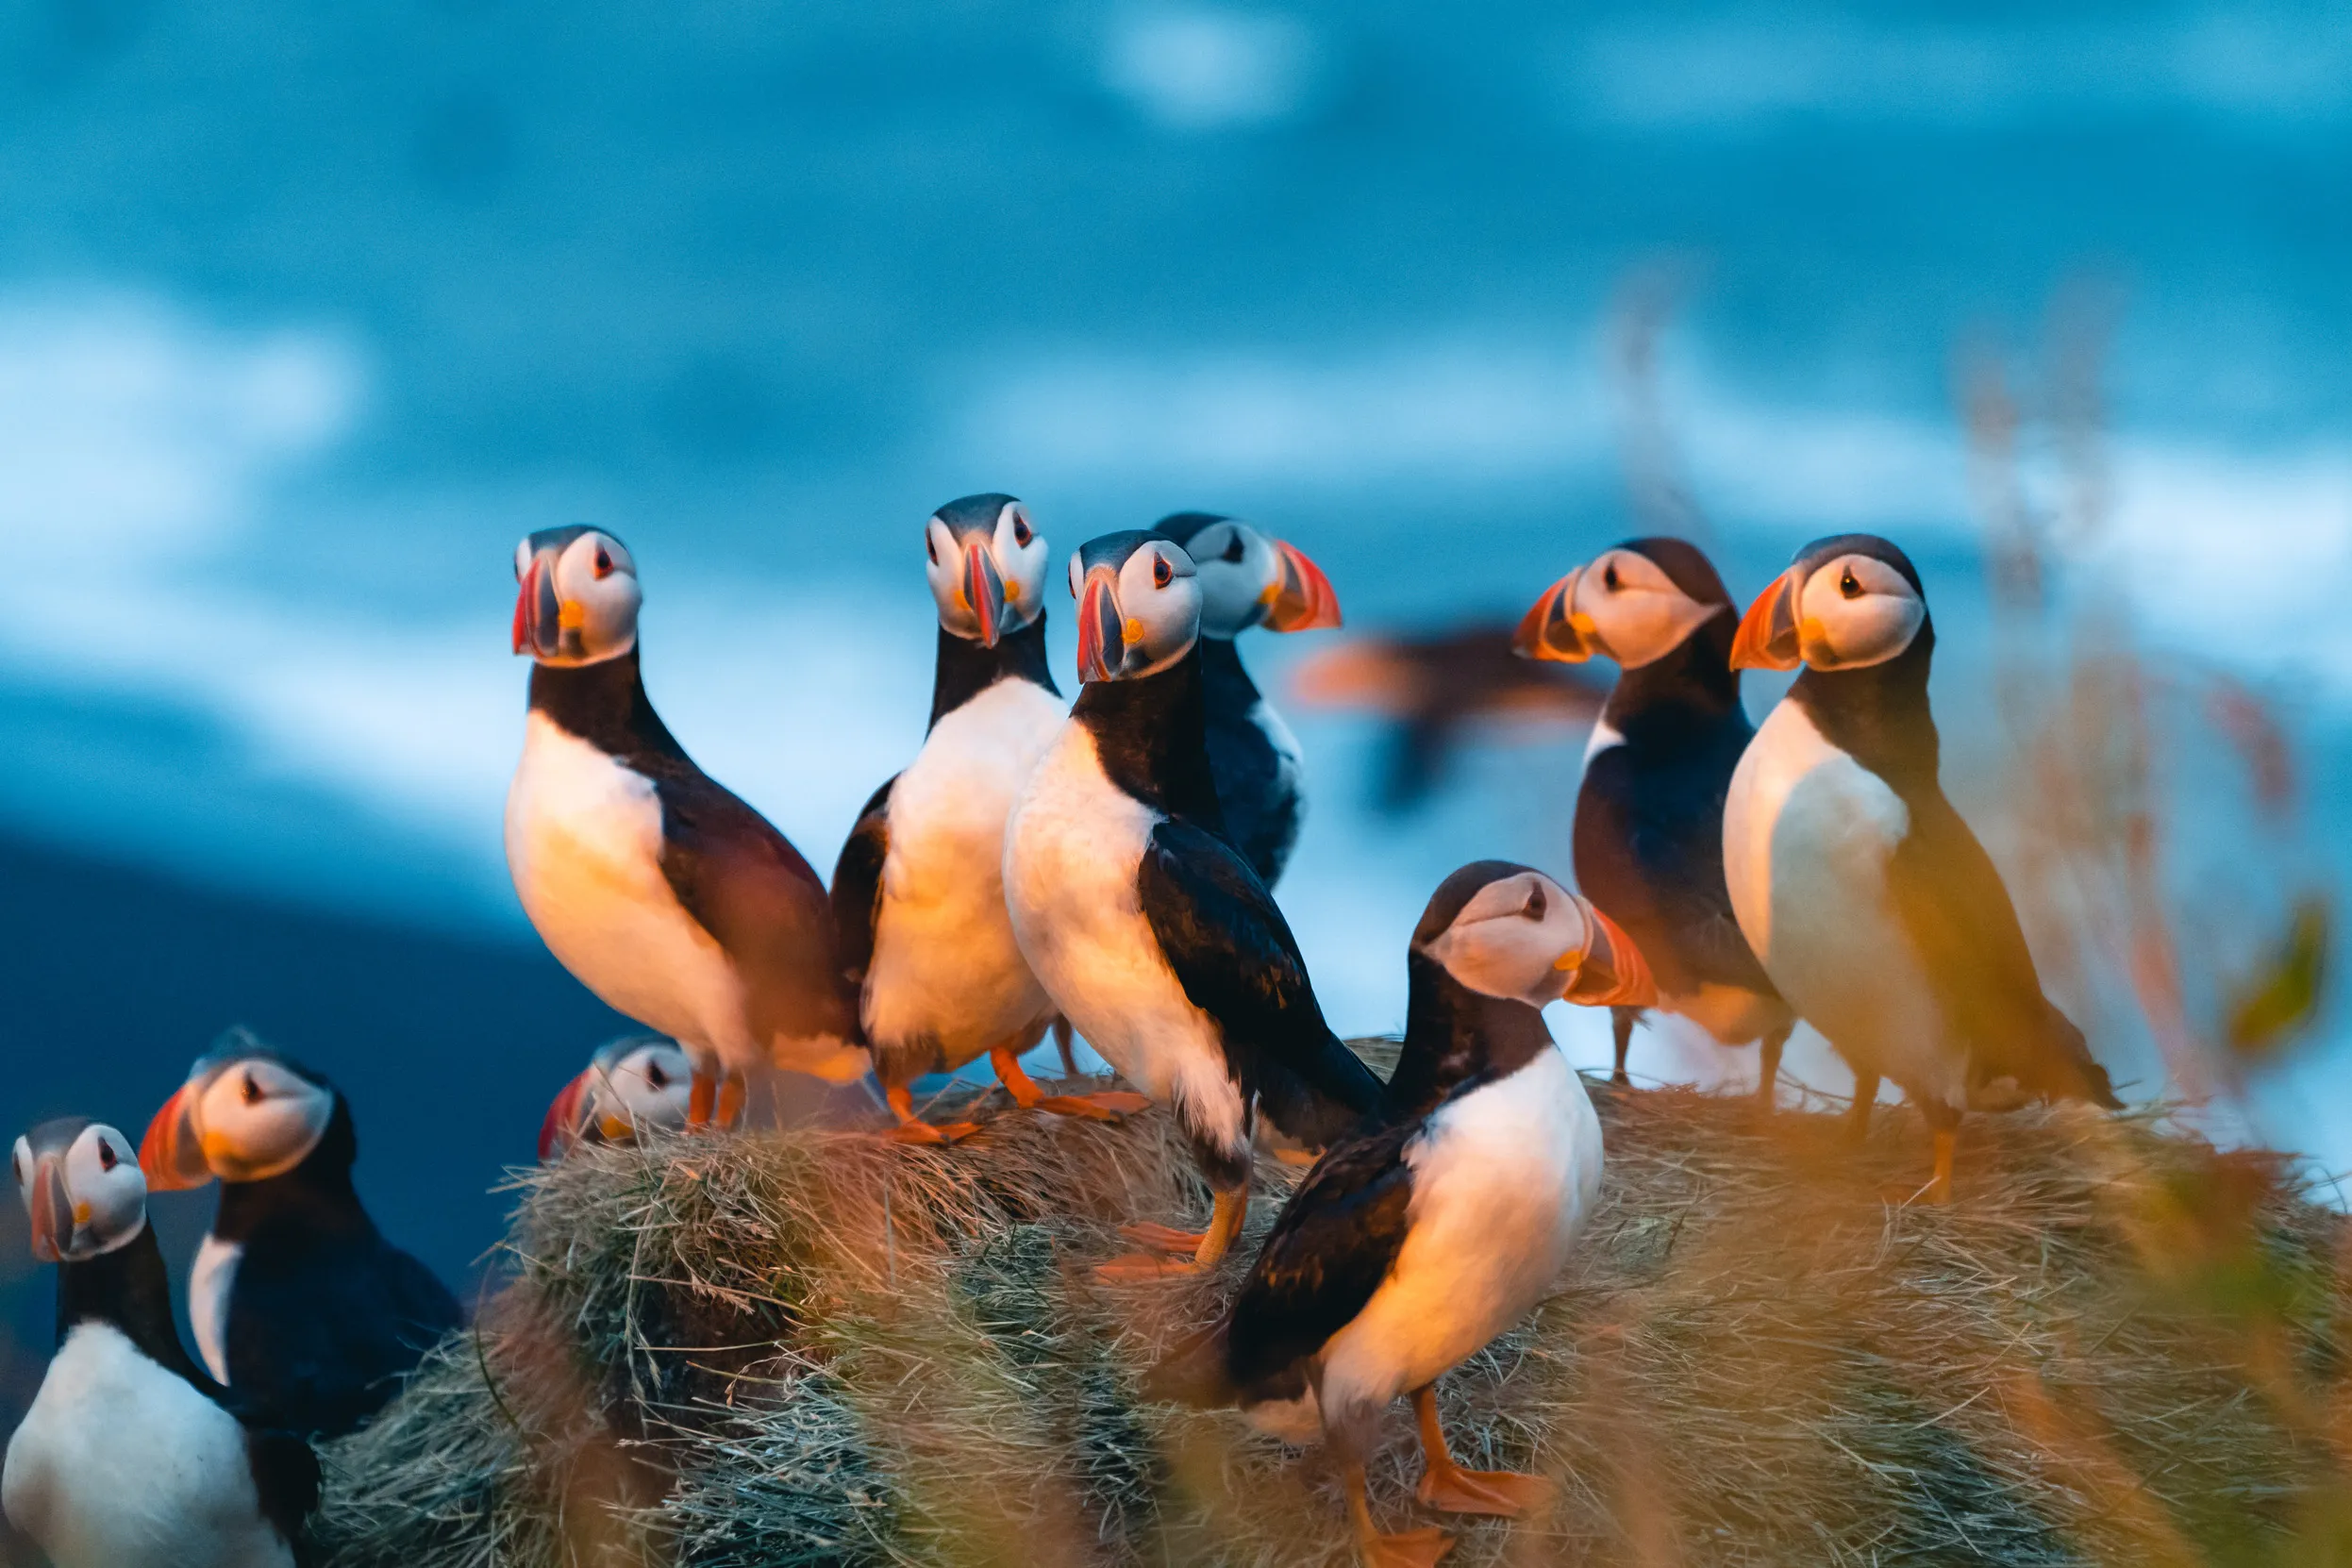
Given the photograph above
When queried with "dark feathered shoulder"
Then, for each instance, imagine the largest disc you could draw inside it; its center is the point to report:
(858, 885)
(1234, 955)
(1957, 913)
(746, 885)
(286, 1476)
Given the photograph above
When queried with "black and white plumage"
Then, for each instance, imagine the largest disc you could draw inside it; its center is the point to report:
(918, 891)
(1151, 933)
(1872, 906)
(662, 892)
(1649, 812)
(131, 1456)
(1416, 1240)
(297, 1301)
(1248, 580)
(632, 1086)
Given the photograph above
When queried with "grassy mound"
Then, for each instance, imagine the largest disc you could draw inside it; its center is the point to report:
(2118, 1345)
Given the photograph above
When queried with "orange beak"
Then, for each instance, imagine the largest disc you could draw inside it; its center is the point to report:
(1101, 628)
(1304, 600)
(985, 591)
(1610, 973)
(562, 1129)
(537, 618)
(1767, 636)
(1550, 630)
(52, 1211)
(171, 1156)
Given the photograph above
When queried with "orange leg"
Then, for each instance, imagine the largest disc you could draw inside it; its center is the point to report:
(1420, 1548)
(914, 1129)
(1448, 1488)
(1111, 1106)
(701, 1090)
(733, 1089)
(1940, 1185)
(1207, 1248)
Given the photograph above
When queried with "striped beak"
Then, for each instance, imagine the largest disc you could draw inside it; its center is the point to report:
(52, 1211)
(562, 1129)
(1553, 631)
(171, 1156)
(537, 618)
(1101, 629)
(1608, 971)
(1304, 599)
(984, 591)
(1767, 638)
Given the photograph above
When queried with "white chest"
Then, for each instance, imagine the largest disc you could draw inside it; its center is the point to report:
(1071, 856)
(584, 847)
(946, 967)
(209, 1280)
(121, 1464)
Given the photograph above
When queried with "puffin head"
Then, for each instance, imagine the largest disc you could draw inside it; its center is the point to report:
(1634, 602)
(1508, 930)
(636, 1083)
(1139, 604)
(987, 563)
(576, 596)
(1849, 601)
(246, 1113)
(81, 1185)
(1247, 579)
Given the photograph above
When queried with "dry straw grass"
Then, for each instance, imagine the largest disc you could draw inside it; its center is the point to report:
(2118, 1346)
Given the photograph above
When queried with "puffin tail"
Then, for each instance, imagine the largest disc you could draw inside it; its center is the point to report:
(1197, 1373)
(1323, 1097)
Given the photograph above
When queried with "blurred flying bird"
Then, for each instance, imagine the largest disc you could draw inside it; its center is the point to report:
(1649, 812)
(2280, 1000)
(1249, 580)
(1149, 928)
(1418, 1238)
(1432, 687)
(663, 893)
(919, 890)
(1874, 908)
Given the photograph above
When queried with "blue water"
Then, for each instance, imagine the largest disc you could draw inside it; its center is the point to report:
(307, 313)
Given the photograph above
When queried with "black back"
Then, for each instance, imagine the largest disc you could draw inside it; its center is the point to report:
(1260, 804)
(1648, 836)
(326, 1317)
(1151, 735)
(858, 885)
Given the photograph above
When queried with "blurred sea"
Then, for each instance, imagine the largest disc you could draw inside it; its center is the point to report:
(307, 313)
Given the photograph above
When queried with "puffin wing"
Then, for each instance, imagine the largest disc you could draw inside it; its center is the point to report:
(858, 885)
(1330, 1249)
(1957, 913)
(286, 1478)
(1234, 955)
(751, 889)
(1657, 855)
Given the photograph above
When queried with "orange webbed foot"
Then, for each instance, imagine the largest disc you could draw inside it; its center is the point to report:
(1421, 1548)
(1110, 1105)
(1162, 1238)
(925, 1133)
(1504, 1493)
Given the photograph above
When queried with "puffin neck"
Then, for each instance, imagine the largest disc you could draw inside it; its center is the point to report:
(604, 704)
(966, 668)
(1454, 1036)
(318, 1193)
(1226, 684)
(1151, 735)
(1878, 714)
(127, 1290)
(1694, 684)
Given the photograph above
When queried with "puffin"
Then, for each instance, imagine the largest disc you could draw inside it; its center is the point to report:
(1870, 903)
(1150, 931)
(919, 890)
(1247, 579)
(296, 1300)
(130, 1457)
(1648, 835)
(632, 1085)
(672, 900)
(1418, 1238)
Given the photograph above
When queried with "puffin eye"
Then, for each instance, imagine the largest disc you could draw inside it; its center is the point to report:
(1537, 904)
(930, 546)
(107, 1160)
(251, 1092)
(1233, 547)
(1162, 572)
(1609, 577)
(604, 561)
(656, 1076)
(1848, 586)
(1021, 534)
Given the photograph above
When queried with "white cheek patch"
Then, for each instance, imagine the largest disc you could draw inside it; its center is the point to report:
(1642, 621)
(1841, 633)
(252, 1140)
(1494, 949)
